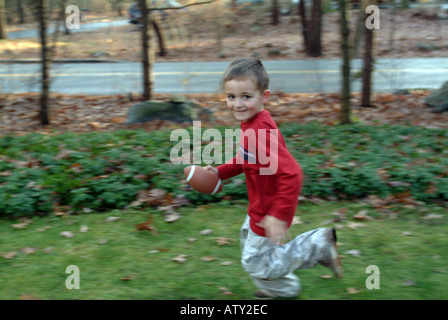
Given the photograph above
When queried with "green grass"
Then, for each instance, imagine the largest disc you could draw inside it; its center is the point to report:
(116, 261)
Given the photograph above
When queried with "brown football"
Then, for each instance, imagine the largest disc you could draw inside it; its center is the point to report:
(202, 180)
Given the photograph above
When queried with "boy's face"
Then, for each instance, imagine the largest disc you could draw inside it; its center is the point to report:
(244, 99)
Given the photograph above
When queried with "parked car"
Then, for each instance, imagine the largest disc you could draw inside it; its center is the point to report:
(135, 15)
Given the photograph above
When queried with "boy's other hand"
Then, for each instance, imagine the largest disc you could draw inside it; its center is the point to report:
(274, 228)
(212, 169)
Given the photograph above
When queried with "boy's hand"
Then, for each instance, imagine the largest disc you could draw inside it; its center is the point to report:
(275, 228)
(212, 169)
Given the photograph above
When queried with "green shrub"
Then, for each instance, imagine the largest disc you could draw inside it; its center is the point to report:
(107, 170)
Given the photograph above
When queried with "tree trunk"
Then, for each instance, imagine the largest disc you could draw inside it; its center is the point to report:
(311, 29)
(359, 31)
(315, 49)
(345, 91)
(146, 47)
(275, 19)
(367, 70)
(305, 30)
(45, 56)
(20, 11)
(160, 38)
(3, 33)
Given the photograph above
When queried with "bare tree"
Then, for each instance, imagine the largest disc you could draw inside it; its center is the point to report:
(146, 59)
(368, 63)
(146, 42)
(45, 65)
(275, 13)
(367, 70)
(311, 28)
(345, 91)
(3, 34)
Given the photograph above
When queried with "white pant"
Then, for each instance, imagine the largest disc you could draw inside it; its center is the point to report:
(271, 266)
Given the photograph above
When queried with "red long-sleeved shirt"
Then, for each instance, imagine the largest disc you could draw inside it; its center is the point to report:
(273, 176)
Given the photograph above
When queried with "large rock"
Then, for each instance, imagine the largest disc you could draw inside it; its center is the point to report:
(439, 99)
(178, 109)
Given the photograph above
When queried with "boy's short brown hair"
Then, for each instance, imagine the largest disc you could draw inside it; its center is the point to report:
(244, 68)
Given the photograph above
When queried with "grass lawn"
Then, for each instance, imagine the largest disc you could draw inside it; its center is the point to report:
(116, 261)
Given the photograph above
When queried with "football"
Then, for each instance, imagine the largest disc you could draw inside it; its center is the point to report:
(202, 180)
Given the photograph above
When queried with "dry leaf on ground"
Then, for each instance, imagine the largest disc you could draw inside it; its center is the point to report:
(147, 225)
(222, 241)
(9, 255)
(352, 291)
(208, 258)
(67, 234)
(182, 258)
(84, 228)
(355, 253)
(28, 250)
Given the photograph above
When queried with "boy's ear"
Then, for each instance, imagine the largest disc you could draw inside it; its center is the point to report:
(266, 95)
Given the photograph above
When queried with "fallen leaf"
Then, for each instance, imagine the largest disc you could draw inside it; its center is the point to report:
(147, 225)
(191, 239)
(182, 258)
(355, 253)
(225, 291)
(127, 278)
(174, 216)
(433, 216)
(355, 225)
(112, 219)
(296, 221)
(28, 250)
(206, 232)
(21, 225)
(362, 216)
(63, 154)
(352, 291)
(222, 241)
(84, 229)
(340, 215)
(67, 234)
(327, 276)
(208, 258)
(226, 263)
(9, 255)
(49, 250)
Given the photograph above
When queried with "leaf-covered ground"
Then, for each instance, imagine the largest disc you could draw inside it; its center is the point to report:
(192, 35)
(84, 113)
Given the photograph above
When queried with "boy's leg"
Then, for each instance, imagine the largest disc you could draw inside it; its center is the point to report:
(287, 286)
(271, 266)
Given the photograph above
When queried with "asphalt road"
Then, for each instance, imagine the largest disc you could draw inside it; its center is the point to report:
(298, 76)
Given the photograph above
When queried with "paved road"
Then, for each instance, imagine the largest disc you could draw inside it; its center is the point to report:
(299, 76)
